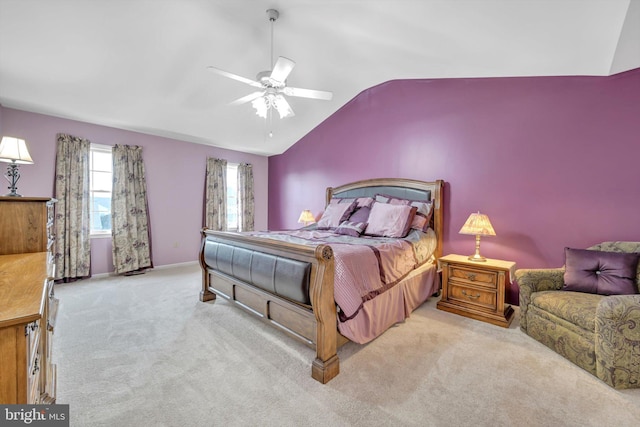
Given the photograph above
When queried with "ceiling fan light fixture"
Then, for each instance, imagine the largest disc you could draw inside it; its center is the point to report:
(268, 101)
(261, 105)
(282, 106)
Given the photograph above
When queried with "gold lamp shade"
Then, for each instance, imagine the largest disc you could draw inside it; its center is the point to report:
(478, 225)
(306, 217)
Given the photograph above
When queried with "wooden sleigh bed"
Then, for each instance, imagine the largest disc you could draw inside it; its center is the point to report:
(291, 285)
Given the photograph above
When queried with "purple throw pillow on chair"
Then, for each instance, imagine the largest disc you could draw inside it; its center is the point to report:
(597, 272)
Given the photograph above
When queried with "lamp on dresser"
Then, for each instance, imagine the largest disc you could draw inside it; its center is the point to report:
(477, 225)
(14, 151)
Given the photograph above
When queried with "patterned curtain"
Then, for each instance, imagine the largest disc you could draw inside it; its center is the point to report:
(72, 247)
(129, 212)
(245, 197)
(215, 202)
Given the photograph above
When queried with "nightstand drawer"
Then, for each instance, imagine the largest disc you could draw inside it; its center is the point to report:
(476, 297)
(473, 276)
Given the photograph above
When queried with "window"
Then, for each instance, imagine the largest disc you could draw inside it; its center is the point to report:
(232, 197)
(100, 180)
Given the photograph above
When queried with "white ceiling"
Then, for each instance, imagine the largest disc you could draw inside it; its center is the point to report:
(141, 64)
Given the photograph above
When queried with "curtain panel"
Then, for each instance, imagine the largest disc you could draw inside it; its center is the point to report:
(130, 230)
(246, 204)
(72, 247)
(215, 202)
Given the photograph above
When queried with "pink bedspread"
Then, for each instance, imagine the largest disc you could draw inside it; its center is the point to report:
(365, 267)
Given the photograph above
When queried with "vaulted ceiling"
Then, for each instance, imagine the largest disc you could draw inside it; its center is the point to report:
(141, 64)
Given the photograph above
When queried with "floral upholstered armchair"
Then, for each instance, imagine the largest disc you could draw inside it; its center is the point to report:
(594, 319)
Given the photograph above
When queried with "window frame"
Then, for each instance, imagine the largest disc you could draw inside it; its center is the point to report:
(103, 149)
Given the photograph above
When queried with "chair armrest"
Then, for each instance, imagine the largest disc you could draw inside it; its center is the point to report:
(536, 280)
(617, 340)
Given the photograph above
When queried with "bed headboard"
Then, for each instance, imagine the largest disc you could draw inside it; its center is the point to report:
(402, 188)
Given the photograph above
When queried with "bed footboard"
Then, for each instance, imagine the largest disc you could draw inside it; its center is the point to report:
(305, 309)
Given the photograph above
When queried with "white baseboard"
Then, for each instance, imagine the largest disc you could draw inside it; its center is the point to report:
(159, 267)
(178, 264)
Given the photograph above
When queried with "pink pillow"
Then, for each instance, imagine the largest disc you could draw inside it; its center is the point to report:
(389, 220)
(334, 214)
(422, 220)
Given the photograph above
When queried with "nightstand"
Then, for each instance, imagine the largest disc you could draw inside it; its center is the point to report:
(476, 289)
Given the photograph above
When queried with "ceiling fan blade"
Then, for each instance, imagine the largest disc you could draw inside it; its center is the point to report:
(247, 98)
(283, 107)
(282, 69)
(308, 93)
(234, 76)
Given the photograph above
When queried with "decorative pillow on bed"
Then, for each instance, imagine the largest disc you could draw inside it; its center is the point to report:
(351, 228)
(334, 214)
(389, 220)
(392, 200)
(360, 214)
(597, 272)
(423, 213)
(360, 201)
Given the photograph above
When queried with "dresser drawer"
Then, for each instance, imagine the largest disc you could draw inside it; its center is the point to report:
(33, 379)
(32, 332)
(472, 296)
(52, 312)
(34, 382)
(473, 276)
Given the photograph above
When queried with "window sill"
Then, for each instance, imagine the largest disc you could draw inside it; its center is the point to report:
(100, 236)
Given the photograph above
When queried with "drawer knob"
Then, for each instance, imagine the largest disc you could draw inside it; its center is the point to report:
(470, 296)
(471, 277)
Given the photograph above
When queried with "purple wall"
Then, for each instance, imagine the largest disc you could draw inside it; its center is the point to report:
(553, 161)
(175, 180)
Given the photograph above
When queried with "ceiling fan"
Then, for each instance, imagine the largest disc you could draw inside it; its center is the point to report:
(273, 84)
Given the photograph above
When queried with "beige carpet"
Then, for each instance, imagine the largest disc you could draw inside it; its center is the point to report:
(143, 351)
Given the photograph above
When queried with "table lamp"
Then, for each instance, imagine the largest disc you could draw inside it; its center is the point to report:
(306, 217)
(478, 225)
(14, 151)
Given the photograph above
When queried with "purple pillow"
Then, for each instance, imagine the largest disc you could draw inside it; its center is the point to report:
(598, 272)
(350, 228)
(334, 214)
(360, 215)
(360, 201)
(389, 220)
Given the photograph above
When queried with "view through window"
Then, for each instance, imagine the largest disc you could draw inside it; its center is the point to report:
(232, 197)
(100, 181)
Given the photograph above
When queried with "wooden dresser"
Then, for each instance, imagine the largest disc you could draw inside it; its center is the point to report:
(27, 304)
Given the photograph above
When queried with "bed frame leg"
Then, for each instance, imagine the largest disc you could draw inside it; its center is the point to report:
(326, 364)
(325, 371)
(205, 293)
(207, 296)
